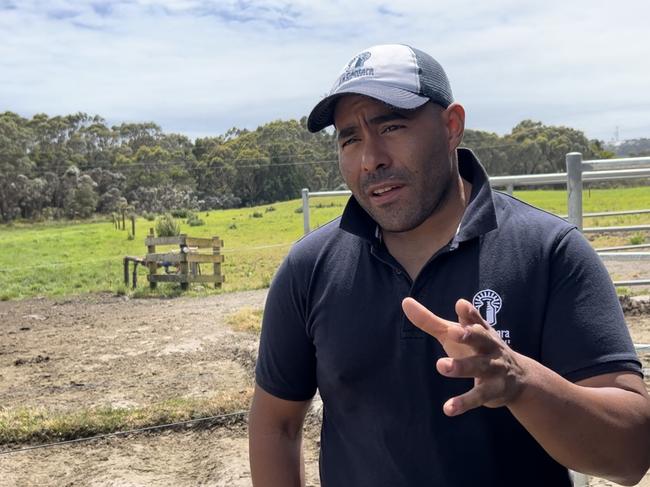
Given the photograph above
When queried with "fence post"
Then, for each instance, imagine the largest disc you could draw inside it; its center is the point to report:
(216, 266)
(510, 189)
(579, 479)
(153, 267)
(574, 188)
(305, 210)
(126, 271)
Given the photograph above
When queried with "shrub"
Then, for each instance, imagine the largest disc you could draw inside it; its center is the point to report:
(223, 201)
(326, 205)
(298, 210)
(232, 226)
(50, 213)
(269, 209)
(181, 213)
(194, 220)
(149, 216)
(637, 239)
(166, 226)
(257, 214)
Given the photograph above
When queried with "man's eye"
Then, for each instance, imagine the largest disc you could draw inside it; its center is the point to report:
(348, 142)
(391, 128)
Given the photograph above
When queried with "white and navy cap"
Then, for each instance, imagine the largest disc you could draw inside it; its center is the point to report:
(399, 75)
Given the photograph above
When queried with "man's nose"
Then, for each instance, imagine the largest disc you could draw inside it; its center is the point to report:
(374, 155)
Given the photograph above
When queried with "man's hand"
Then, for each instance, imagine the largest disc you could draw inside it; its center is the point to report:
(475, 351)
(599, 426)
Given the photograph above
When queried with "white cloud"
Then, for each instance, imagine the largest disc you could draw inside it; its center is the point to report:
(199, 67)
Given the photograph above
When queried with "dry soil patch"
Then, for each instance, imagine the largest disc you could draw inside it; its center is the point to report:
(105, 350)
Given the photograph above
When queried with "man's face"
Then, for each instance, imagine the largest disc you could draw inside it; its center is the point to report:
(397, 163)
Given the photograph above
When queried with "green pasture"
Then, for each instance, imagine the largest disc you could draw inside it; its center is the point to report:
(65, 258)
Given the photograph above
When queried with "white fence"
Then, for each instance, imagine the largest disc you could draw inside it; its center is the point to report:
(578, 171)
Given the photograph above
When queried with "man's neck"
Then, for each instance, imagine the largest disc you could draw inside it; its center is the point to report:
(414, 248)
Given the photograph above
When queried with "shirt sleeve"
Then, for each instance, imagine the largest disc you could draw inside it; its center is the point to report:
(584, 333)
(286, 363)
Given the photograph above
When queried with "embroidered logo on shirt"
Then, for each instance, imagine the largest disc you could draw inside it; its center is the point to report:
(492, 302)
(488, 303)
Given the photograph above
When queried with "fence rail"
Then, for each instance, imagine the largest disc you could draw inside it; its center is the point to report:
(561, 177)
(618, 256)
(578, 171)
(620, 228)
(624, 247)
(620, 163)
(612, 213)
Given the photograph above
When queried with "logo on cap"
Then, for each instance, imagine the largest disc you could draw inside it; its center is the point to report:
(358, 61)
(355, 69)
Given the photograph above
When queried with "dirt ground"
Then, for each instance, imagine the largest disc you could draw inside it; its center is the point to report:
(104, 350)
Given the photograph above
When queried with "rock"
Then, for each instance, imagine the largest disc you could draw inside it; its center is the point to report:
(635, 305)
(35, 317)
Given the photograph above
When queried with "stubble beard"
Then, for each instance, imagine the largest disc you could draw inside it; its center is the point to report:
(401, 217)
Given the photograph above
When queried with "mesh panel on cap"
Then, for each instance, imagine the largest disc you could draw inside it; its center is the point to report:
(433, 80)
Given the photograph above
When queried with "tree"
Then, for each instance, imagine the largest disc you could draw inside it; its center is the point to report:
(14, 162)
(74, 165)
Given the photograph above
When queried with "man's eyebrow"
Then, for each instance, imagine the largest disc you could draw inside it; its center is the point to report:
(346, 132)
(386, 117)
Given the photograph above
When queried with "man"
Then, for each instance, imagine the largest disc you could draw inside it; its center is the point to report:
(457, 336)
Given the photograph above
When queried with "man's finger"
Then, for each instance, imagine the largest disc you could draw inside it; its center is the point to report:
(479, 395)
(476, 337)
(468, 314)
(476, 366)
(426, 320)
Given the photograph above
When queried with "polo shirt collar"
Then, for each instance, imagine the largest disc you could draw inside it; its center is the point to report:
(479, 218)
(480, 215)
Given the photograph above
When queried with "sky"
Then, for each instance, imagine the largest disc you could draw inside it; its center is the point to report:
(199, 67)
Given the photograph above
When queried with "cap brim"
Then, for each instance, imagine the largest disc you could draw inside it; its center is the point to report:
(323, 113)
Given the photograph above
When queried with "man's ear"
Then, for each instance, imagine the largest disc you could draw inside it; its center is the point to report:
(455, 121)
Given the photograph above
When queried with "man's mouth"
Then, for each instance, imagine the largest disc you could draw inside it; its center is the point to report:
(381, 191)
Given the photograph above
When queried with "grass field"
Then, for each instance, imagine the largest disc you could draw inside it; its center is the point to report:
(65, 258)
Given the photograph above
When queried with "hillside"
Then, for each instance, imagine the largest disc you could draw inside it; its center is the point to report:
(630, 148)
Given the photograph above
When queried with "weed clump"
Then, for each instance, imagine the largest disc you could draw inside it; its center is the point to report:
(246, 319)
(637, 239)
(181, 213)
(166, 226)
(193, 220)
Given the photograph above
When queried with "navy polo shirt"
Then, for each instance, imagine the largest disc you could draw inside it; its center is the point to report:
(333, 321)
